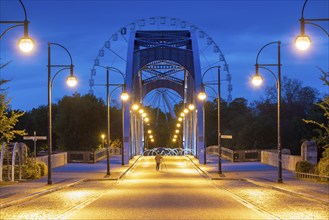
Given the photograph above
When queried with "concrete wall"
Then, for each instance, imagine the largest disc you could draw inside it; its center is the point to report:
(288, 161)
(57, 160)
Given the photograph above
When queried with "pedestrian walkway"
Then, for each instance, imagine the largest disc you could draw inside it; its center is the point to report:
(74, 173)
(68, 175)
(266, 176)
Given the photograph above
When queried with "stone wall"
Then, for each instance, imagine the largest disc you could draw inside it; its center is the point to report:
(288, 161)
(57, 160)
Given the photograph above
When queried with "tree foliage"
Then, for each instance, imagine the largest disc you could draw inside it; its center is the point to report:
(254, 126)
(80, 121)
(8, 118)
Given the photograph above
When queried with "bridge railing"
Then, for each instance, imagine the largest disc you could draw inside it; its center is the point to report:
(236, 155)
(311, 176)
(91, 156)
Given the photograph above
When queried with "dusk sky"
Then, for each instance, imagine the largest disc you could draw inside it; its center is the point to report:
(240, 28)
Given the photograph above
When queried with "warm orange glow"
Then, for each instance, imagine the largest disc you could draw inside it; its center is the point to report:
(178, 125)
(185, 110)
(202, 96)
(191, 107)
(141, 111)
(180, 119)
(135, 107)
(71, 81)
(25, 44)
(182, 114)
(257, 80)
(124, 96)
(177, 131)
(149, 131)
(302, 42)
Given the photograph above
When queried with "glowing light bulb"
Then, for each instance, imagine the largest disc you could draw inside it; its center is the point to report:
(25, 44)
(71, 81)
(257, 80)
(302, 42)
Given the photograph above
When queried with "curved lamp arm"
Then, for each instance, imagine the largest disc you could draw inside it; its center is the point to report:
(51, 43)
(211, 89)
(208, 70)
(10, 28)
(114, 90)
(274, 42)
(115, 69)
(275, 78)
(52, 80)
(316, 25)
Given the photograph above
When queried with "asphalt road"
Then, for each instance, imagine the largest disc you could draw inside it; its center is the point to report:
(177, 191)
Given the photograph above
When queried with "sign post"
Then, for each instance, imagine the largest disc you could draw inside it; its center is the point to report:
(34, 138)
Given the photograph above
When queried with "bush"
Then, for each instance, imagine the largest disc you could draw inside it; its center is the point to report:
(304, 166)
(31, 170)
(323, 165)
(43, 168)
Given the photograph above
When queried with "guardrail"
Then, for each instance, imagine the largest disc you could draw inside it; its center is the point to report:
(311, 176)
(91, 156)
(236, 155)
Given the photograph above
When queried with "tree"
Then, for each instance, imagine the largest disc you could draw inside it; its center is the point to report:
(323, 126)
(80, 121)
(8, 118)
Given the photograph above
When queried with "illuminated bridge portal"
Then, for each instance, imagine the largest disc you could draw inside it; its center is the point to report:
(166, 60)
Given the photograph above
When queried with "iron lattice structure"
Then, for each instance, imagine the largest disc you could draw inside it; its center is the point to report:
(163, 60)
(114, 54)
(179, 53)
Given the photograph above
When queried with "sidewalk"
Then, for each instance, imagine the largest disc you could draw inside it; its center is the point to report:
(266, 176)
(64, 176)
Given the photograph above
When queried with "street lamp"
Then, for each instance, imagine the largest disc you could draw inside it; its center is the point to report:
(257, 80)
(191, 107)
(124, 97)
(303, 41)
(202, 96)
(71, 81)
(103, 137)
(25, 43)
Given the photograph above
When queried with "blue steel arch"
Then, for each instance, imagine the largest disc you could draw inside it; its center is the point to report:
(150, 46)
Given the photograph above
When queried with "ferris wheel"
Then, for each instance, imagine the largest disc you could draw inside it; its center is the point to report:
(114, 54)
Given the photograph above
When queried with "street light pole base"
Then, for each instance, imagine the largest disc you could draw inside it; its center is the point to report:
(279, 181)
(50, 182)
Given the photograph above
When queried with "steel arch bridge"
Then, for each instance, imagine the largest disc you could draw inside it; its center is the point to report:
(162, 54)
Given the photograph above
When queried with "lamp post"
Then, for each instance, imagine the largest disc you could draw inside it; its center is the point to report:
(303, 41)
(202, 96)
(71, 81)
(257, 80)
(25, 43)
(124, 96)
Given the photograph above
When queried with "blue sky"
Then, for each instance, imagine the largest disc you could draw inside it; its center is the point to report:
(240, 28)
